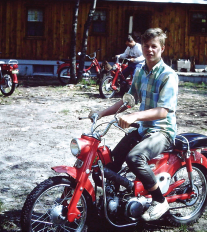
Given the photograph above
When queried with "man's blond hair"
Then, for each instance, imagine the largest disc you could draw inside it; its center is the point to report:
(152, 33)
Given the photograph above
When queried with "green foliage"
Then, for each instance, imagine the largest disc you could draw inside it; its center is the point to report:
(1, 206)
(193, 85)
(88, 82)
(65, 112)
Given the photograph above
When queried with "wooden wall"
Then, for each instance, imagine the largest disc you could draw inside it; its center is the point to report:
(58, 22)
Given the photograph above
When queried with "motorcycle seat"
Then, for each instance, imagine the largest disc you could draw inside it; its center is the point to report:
(193, 140)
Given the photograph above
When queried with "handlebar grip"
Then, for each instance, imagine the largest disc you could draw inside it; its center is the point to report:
(81, 118)
(135, 125)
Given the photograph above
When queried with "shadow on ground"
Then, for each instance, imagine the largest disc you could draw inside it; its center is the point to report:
(10, 222)
(34, 81)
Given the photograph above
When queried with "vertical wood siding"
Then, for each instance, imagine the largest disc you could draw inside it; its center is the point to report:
(56, 42)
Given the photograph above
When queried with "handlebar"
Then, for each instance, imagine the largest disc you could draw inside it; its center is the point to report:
(114, 122)
(118, 58)
(94, 54)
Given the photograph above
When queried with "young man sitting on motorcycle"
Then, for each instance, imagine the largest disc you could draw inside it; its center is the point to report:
(155, 86)
(134, 53)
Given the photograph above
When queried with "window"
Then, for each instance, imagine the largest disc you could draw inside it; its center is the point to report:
(198, 23)
(99, 22)
(43, 69)
(35, 24)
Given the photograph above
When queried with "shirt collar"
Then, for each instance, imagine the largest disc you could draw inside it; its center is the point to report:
(154, 69)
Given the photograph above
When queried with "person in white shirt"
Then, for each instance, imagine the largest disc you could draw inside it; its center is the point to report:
(134, 53)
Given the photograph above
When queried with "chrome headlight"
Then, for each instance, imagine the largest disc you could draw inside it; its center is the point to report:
(75, 147)
(114, 67)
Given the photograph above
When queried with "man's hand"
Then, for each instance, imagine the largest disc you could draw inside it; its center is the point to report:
(126, 120)
(94, 112)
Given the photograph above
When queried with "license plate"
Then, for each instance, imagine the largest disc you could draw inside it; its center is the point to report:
(15, 71)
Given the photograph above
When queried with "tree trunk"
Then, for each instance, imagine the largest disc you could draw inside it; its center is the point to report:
(85, 39)
(73, 73)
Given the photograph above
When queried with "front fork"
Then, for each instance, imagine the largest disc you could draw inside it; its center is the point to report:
(82, 177)
(113, 85)
(189, 168)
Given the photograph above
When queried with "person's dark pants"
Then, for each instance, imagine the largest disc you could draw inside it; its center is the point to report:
(131, 69)
(137, 151)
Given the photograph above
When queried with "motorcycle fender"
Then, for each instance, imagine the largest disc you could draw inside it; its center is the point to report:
(199, 158)
(14, 77)
(72, 171)
(62, 66)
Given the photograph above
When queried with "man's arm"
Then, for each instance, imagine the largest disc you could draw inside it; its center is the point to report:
(125, 54)
(147, 115)
(111, 110)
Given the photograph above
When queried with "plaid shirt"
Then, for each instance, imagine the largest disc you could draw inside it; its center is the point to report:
(157, 88)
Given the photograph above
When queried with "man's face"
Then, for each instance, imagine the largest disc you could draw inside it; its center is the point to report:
(130, 44)
(152, 51)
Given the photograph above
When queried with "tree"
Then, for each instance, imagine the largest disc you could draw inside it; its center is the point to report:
(73, 42)
(85, 39)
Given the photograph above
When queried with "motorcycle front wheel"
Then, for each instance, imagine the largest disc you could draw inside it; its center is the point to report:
(187, 212)
(8, 86)
(45, 208)
(105, 88)
(64, 76)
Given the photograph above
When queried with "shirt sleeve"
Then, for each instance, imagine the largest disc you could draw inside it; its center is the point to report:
(125, 54)
(168, 94)
(138, 53)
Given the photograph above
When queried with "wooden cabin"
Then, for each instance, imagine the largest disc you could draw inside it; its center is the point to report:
(39, 32)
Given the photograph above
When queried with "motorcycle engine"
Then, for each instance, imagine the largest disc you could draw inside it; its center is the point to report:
(135, 207)
(130, 207)
(86, 74)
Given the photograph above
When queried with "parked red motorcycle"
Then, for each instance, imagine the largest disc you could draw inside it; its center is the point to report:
(67, 202)
(115, 82)
(8, 76)
(64, 69)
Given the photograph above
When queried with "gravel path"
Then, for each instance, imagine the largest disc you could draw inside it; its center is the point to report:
(37, 124)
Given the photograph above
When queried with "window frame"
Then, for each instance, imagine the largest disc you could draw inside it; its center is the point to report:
(43, 22)
(190, 31)
(106, 23)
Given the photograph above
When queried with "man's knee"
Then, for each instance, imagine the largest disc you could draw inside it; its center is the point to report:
(138, 160)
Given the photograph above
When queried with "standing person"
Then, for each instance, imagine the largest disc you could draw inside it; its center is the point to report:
(134, 53)
(155, 86)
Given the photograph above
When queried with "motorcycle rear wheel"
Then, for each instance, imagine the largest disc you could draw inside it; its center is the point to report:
(191, 210)
(64, 76)
(45, 208)
(9, 86)
(105, 88)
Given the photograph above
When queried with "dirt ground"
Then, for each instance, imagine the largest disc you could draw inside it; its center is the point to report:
(37, 124)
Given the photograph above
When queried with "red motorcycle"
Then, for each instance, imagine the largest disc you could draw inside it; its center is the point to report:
(115, 82)
(8, 76)
(68, 202)
(63, 70)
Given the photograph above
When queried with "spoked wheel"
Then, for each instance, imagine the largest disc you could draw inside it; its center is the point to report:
(45, 208)
(8, 86)
(64, 76)
(188, 211)
(105, 88)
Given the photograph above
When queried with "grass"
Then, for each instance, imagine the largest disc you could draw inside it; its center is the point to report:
(1, 206)
(65, 112)
(200, 86)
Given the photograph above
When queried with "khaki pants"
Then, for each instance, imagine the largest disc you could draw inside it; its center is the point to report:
(136, 151)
